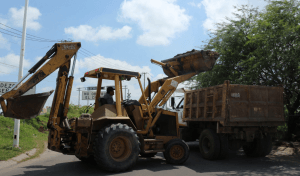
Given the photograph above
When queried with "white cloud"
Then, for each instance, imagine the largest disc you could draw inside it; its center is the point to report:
(3, 21)
(159, 76)
(88, 33)
(4, 44)
(160, 20)
(90, 63)
(217, 10)
(47, 89)
(33, 15)
(38, 58)
(10, 63)
(195, 4)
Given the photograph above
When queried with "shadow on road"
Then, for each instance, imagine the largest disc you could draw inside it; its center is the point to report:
(235, 164)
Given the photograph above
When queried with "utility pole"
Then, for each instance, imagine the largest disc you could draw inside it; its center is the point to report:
(125, 91)
(144, 73)
(17, 121)
(89, 96)
(128, 95)
(78, 89)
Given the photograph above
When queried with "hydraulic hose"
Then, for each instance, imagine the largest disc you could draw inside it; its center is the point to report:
(149, 89)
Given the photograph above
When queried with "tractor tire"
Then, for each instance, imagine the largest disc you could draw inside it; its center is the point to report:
(223, 146)
(148, 155)
(259, 147)
(89, 160)
(116, 148)
(209, 144)
(176, 151)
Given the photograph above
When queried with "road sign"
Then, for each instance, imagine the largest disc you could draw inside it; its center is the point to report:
(5, 86)
(88, 95)
(91, 88)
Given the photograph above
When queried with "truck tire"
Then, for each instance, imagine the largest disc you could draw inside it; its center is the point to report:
(148, 155)
(176, 151)
(267, 145)
(259, 147)
(116, 148)
(223, 146)
(209, 144)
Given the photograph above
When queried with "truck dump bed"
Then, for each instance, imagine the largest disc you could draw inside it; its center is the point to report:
(235, 105)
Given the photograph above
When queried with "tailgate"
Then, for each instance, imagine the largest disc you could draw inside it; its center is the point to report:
(255, 103)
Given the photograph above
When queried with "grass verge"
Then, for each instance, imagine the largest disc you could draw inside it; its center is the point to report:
(30, 137)
(75, 111)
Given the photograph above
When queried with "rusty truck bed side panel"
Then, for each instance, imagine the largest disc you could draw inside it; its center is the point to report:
(235, 105)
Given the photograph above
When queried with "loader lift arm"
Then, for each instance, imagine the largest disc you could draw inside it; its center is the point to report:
(178, 69)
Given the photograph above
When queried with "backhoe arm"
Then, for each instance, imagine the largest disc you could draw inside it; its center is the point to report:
(24, 107)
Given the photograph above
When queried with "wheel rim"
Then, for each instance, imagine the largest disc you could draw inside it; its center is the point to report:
(120, 148)
(177, 152)
(206, 145)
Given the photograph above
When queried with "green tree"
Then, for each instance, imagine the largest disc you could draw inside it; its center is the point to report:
(276, 59)
(259, 48)
(230, 40)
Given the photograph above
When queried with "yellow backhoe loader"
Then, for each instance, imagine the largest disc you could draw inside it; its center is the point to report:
(113, 135)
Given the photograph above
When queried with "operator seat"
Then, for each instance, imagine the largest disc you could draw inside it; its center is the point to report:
(102, 101)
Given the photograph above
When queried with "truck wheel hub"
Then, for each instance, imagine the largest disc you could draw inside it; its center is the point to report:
(206, 145)
(177, 152)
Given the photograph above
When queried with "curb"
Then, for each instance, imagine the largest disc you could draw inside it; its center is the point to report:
(17, 159)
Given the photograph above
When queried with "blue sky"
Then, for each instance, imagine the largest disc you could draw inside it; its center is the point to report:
(117, 33)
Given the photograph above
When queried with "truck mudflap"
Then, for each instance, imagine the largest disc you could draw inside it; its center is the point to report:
(26, 107)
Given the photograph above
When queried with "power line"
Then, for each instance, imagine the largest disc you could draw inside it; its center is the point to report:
(27, 34)
(97, 61)
(8, 64)
(117, 66)
(10, 31)
(26, 39)
(93, 57)
(101, 58)
(27, 46)
(37, 48)
(7, 73)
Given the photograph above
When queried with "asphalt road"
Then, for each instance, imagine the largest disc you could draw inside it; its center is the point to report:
(55, 164)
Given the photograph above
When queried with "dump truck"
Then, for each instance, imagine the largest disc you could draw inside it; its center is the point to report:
(114, 135)
(230, 116)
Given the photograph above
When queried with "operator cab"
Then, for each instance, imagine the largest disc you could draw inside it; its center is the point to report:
(102, 109)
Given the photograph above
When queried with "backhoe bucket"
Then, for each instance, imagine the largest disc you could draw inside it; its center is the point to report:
(191, 61)
(26, 107)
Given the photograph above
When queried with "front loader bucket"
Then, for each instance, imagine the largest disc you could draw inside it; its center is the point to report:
(26, 107)
(191, 61)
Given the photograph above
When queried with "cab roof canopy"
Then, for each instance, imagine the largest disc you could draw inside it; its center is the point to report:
(108, 73)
